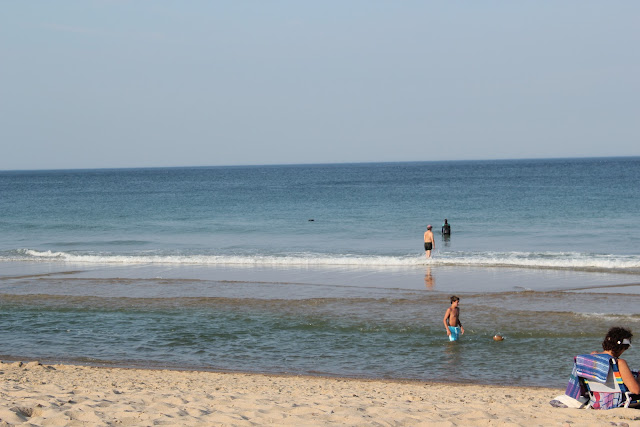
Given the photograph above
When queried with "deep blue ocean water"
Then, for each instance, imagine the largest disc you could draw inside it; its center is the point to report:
(319, 269)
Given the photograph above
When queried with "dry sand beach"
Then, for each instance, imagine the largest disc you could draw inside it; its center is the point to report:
(64, 395)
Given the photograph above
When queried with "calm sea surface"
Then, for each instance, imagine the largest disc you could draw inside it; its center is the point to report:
(319, 269)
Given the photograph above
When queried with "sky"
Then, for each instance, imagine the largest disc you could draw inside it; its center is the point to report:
(107, 83)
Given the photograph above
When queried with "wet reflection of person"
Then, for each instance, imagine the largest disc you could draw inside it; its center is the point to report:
(429, 281)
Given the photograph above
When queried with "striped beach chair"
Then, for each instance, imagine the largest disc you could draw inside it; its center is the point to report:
(600, 377)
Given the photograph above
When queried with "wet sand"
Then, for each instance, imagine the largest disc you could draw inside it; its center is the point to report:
(19, 278)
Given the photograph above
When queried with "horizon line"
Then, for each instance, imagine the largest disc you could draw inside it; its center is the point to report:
(315, 164)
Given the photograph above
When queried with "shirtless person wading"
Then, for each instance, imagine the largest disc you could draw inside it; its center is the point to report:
(429, 243)
(452, 320)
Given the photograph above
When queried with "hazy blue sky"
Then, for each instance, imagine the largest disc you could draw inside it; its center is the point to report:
(87, 84)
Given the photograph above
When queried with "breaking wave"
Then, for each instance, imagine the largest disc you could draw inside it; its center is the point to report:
(542, 260)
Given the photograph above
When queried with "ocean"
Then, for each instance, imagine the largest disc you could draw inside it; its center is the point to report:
(320, 269)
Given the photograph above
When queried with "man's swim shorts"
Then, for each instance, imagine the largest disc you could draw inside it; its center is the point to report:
(455, 333)
(427, 246)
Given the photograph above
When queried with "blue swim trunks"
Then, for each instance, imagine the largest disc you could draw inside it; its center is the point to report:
(455, 333)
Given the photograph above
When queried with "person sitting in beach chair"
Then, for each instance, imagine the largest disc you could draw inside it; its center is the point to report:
(604, 378)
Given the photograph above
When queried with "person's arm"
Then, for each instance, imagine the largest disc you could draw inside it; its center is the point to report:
(460, 324)
(627, 377)
(446, 324)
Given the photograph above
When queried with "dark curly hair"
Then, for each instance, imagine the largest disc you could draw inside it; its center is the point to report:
(614, 340)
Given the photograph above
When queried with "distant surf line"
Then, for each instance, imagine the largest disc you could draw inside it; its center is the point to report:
(535, 260)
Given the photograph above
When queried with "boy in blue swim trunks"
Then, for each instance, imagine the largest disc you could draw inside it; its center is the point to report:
(452, 320)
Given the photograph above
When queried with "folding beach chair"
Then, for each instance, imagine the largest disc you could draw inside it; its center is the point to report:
(603, 382)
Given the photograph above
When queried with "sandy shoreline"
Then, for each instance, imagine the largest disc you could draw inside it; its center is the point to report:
(68, 395)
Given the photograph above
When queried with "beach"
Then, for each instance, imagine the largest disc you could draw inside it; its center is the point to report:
(215, 213)
(207, 296)
(38, 394)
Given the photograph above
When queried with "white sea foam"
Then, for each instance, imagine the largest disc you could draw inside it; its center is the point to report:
(608, 317)
(544, 260)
